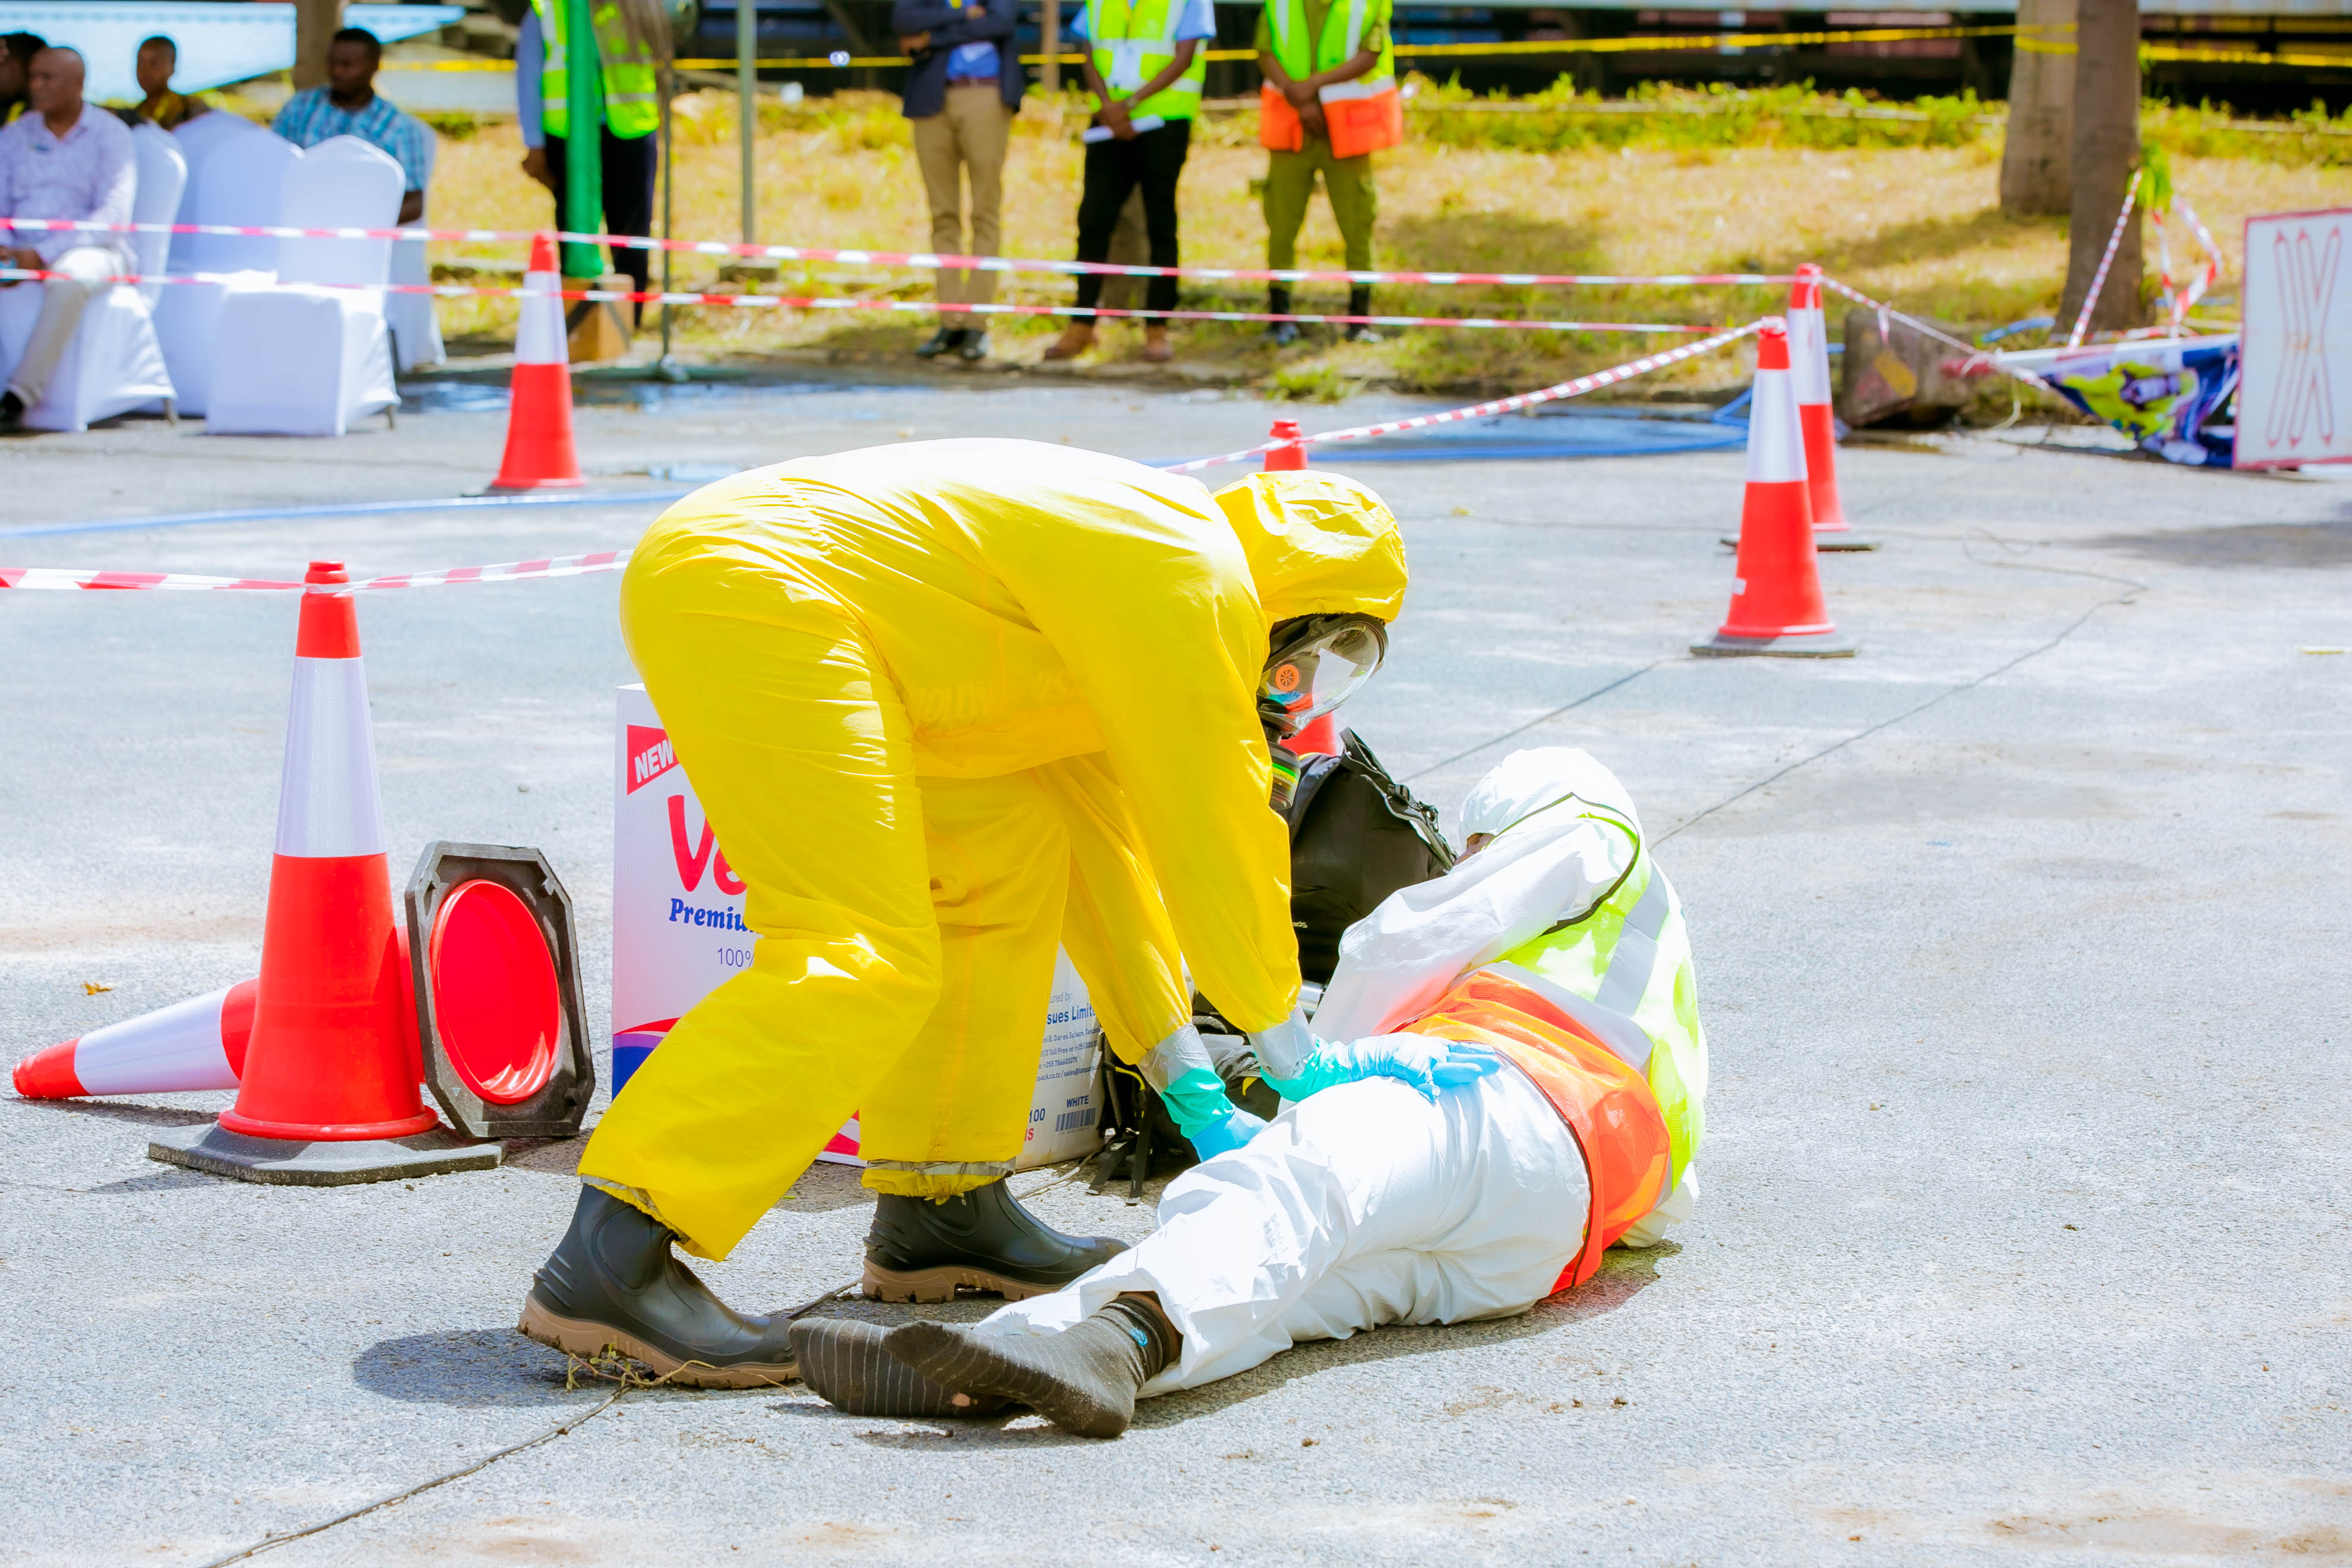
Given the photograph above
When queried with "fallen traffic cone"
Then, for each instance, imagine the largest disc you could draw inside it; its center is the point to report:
(1809, 363)
(331, 1070)
(1776, 597)
(196, 1044)
(539, 453)
(1290, 454)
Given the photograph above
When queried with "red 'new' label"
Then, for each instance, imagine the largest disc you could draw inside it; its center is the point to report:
(650, 757)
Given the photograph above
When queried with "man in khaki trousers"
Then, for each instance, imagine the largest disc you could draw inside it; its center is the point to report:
(962, 91)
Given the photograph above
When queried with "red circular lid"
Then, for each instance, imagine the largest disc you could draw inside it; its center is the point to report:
(494, 993)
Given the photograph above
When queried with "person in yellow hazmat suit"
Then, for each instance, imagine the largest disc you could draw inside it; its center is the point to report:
(950, 705)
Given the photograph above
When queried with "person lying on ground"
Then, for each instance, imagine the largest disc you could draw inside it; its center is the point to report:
(1553, 951)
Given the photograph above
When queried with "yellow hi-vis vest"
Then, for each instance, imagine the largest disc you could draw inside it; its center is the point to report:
(1623, 971)
(631, 83)
(1363, 115)
(1133, 41)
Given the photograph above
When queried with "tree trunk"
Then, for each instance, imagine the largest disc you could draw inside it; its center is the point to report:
(2106, 149)
(2037, 154)
(315, 22)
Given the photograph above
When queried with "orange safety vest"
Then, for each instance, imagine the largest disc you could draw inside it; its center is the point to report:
(1607, 1104)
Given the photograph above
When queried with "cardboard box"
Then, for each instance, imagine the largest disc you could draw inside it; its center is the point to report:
(679, 932)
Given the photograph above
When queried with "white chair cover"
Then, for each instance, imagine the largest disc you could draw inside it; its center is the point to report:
(415, 318)
(313, 353)
(162, 183)
(114, 363)
(197, 138)
(236, 181)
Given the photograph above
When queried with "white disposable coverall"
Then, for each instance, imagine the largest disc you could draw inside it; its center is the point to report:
(1364, 1205)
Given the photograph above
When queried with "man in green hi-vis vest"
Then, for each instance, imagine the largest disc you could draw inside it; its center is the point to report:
(1146, 60)
(608, 182)
(1317, 54)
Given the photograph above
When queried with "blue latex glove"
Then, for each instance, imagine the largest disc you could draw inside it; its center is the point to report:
(1211, 1122)
(1426, 1064)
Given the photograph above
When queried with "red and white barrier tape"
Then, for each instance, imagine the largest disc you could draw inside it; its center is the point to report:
(917, 307)
(928, 261)
(33, 577)
(506, 572)
(2107, 260)
(1580, 385)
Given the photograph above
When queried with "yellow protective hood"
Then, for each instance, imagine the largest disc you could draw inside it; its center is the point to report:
(1318, 544)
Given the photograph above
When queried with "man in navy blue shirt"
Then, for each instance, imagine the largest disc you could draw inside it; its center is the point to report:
(962, 91)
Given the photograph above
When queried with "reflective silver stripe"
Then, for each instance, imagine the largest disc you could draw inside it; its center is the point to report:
(1625, 1039)
(1636, 954)
(1355, 30)
(1279, 21)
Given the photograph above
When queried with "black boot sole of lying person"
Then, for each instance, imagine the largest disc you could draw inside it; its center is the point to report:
(1083, 1379)
(842, 1361)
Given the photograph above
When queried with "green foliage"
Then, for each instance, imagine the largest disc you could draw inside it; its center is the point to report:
(1656, 115)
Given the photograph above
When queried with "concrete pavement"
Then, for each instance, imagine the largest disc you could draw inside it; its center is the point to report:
(2021, 948)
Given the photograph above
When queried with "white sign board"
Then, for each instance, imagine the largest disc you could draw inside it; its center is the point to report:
(679, 932)
(2294, 396)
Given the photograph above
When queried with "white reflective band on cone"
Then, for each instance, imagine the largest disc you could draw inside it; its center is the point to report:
(538, 337)
(175, 1047)
(1776, 442)
(327, 803)
(1809, 354)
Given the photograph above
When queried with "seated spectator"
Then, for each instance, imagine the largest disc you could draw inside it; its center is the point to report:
(16, 52)
(348, 106)
(61, 162)
(159, 57)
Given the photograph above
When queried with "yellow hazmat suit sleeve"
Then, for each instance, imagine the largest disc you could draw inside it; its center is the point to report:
(1155, 614)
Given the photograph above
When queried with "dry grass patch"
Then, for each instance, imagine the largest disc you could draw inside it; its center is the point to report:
(1920, 224)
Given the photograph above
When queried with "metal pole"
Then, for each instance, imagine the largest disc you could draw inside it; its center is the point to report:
(747, 91)
(667, 365)
(1049, 24)
(583, 140)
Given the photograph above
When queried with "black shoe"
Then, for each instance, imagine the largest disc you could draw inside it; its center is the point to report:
(921, 1250)
(944, 340)
(1360, 303)
(12, 411)
(613, 1283)
(1281, 334)
(974, 347)
(843, 1363)
(1083, 1379)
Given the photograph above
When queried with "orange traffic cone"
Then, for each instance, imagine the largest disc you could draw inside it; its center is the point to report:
(1776, 598)
(1809, 363)
(1319, 737)
(539, 415)
(196, 1044)
(334, 1053)
(1290, 454)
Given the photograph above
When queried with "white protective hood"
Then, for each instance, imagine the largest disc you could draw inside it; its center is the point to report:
(1549, 862)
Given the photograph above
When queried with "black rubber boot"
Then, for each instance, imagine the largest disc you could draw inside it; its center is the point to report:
(942, 342)
(1084, 1379)
(613, 1283)
(842, 1361)
(1360, 303)
(920, 1249)
(1281, 334)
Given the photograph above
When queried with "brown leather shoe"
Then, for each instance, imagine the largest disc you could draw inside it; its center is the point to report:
(1155, 345)
(1075, 339)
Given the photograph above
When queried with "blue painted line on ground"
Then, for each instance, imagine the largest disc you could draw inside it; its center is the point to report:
(345, 509)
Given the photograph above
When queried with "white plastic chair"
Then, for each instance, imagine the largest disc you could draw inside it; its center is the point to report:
(114, 363)
(311, 353)
(415, 318)
(237, 181)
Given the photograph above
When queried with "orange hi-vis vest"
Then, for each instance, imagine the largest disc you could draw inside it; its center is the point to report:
(1606, 1103)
